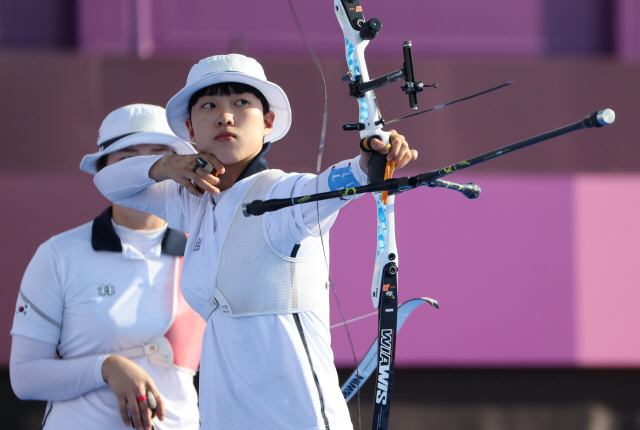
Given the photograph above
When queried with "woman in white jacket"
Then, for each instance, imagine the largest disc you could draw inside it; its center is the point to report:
(101, 329)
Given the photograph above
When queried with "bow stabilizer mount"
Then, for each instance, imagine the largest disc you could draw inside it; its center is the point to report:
(350, 14)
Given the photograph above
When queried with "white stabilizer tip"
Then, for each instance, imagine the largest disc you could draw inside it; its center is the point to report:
(606, 117)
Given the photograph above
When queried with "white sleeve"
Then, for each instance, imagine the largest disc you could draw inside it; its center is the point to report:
(292, 225)
(127, 183)
(37, 375)
(40, 302)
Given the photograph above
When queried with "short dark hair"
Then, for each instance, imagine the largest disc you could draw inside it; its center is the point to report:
(101, 163)
(226, 89)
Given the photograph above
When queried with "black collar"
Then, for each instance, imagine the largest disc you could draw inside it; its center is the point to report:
(105, 238)
(256, 165)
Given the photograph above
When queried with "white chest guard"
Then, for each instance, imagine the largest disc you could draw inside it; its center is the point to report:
(253, 278)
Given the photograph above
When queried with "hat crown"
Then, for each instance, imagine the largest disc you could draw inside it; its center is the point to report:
(226, 63)
(134, 119)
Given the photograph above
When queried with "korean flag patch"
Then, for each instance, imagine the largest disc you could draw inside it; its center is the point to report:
(24, 309)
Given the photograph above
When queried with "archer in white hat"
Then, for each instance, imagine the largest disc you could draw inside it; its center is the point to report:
(259, 282)
(132, 125)
(105, 298)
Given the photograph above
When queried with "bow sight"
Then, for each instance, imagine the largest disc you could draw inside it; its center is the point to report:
(368, 30)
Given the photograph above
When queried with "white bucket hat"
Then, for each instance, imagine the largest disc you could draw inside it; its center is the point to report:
(134, 125)
(229, 68)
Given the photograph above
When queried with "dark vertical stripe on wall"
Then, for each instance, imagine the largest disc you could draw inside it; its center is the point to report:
(579, 27)
(38, 24)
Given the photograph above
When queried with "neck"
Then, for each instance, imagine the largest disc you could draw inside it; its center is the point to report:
(135, 219)
(231, 175)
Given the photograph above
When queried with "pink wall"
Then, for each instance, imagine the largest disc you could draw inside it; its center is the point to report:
(539, 271)
(530, 28)
(607, 270)
(500, 266)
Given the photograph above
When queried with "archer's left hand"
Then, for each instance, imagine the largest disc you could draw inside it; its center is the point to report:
(399, 151)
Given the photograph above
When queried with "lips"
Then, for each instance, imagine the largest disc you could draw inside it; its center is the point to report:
(225, 135)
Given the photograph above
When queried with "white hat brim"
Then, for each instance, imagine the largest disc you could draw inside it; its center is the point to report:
(177, 108)
(88, 163)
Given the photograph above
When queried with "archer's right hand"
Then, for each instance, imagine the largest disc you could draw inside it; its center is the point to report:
(182, 169)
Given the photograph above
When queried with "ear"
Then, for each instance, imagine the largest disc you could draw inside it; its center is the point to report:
(268, 122)
(192, 133)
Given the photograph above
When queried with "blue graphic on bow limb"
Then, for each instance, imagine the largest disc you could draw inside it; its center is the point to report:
(342, 177)
(382, 228)
(350, 60)
(353, 67)
(364, 110)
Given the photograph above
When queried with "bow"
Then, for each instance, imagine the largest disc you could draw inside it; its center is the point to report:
(384, 287)
(358, 32)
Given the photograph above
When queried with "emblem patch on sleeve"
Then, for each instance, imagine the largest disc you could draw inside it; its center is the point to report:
(24, 309)
(342, 178)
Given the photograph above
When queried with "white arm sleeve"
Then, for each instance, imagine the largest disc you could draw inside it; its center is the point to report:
(292, 225)
(346, 174)
(37, 375)
(127, 183)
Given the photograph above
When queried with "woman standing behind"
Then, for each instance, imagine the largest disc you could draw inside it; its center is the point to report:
(101, 327)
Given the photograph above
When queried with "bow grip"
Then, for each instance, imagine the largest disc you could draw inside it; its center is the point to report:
(378, 161)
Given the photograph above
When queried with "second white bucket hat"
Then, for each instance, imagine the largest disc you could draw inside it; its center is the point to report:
(134, 125)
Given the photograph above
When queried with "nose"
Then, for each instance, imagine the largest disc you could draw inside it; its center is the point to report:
(225, 118)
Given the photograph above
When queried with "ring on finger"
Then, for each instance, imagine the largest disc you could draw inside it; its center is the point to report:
(206, 166)
(141, 398)
(393, 136)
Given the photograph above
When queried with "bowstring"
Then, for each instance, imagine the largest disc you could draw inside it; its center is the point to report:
(318, 172)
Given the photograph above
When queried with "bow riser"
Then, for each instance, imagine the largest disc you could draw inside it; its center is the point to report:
(355, 46)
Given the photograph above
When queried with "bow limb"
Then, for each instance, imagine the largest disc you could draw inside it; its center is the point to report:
(368, 363)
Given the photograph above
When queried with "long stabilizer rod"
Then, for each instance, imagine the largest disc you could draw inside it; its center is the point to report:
(396, 185)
